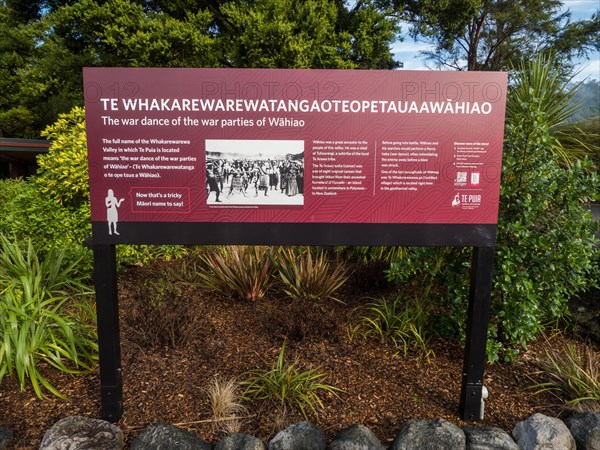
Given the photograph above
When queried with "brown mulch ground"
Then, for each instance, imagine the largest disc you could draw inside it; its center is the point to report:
(382, 389)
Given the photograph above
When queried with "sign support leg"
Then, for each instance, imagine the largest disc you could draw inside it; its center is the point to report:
(109, 344)
(477, 325)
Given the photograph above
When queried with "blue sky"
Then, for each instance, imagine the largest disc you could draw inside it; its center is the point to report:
(408, 50)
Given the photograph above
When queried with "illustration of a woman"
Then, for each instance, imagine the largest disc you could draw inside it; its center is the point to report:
(112, 215)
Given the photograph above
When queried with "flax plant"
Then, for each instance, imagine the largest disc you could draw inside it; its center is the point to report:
(305, 275)
(244, 271)
(45, 319)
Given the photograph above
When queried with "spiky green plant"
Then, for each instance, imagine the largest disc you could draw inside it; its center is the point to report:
(397, 321)
(539, 82)
(308, 275)
(288, 386)
(574, 374)
(244, 271)
(41, 309)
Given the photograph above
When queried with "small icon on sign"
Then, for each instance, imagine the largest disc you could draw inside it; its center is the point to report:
(461, 177)
(456, 201)
(475, 178)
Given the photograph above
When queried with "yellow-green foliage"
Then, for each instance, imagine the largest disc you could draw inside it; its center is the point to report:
(52, 208)
(63, 171)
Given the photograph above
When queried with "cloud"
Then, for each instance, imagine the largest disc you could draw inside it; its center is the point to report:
(581, 9)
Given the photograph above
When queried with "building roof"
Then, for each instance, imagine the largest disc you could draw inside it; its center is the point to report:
(21, 150)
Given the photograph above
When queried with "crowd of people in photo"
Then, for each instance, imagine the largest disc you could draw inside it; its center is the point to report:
(247, 177)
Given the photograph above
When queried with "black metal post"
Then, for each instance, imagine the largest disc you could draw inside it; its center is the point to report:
(109, 344)
(477, 325)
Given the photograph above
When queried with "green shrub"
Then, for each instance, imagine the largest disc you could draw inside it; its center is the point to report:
(28, 214)
(44, 316)
(52, 208)
(243, 271)
(12, 222)
(288, 386)
(305, 275)
(545, 241)
(63, 172)
(545, 250)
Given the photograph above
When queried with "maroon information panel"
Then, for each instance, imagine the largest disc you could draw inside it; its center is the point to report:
(294, 156)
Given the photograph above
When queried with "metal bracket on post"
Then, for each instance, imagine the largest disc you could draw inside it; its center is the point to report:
(477, 325)
(109, 344)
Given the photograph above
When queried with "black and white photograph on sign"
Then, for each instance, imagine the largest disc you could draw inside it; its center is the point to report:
(254, 172)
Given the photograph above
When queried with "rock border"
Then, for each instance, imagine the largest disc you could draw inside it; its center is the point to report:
(580, 432)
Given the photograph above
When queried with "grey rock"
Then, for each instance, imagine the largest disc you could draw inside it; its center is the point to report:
(164, 436)
(299, 436)
(489, 438)
(238, 441)
(543, 432)
(429, 435)
(82, 433)
(6, 438)
(355, 437)
(585, 429)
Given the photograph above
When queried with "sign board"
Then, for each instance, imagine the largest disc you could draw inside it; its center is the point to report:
(293, 157)
(177, 153)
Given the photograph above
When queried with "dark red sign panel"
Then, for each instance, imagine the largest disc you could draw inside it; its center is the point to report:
(294, 146)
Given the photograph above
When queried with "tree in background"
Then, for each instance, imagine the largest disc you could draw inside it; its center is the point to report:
(372, 28)
(306, 34)
(43, 50)
(284, 34)
(17, 44)
(496, 34)
(47, 81)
